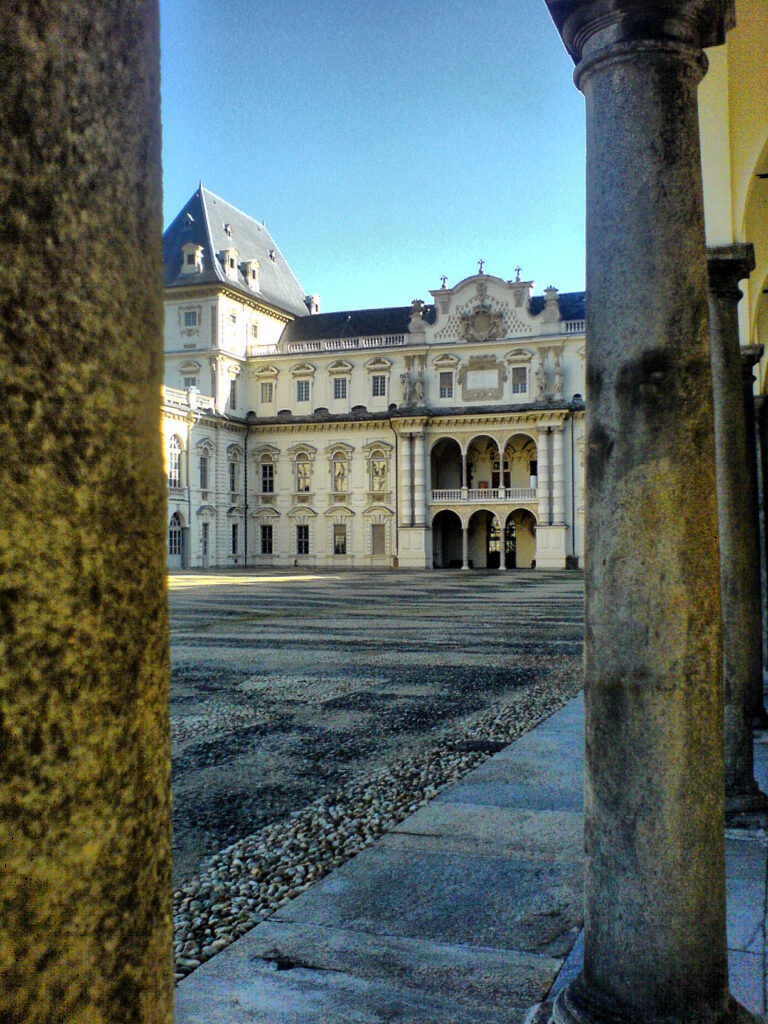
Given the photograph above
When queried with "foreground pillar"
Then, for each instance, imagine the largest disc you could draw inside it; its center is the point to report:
(419, 491)
(85, 886)
(750, 355)
(655, 944)
(739, 563)
(558, 475)
(542, 487)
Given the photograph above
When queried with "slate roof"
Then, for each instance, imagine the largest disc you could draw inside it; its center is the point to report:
(353, 323)
(202, 221)
(572, 305)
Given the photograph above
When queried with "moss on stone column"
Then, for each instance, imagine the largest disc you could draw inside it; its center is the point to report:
(85, 765)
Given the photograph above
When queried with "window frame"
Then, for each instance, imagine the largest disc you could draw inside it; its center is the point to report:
(302, 538)
(266, 539)
(378, 380)
(302, 389)
(445, 383)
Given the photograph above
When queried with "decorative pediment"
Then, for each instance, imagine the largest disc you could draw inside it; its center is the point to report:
(265, 372)
(445, 362)
(204, 446)
(378, 365)
(264, 513)
(383, 446)
(378, 512)
(206, 512)
(339, 447)
(265, 449)
(302, 370)
(189, 367)
(301, 448)
(234, 451)
(518, 356)
(339, 367)
(340, 511)
(302, 513)
(234, 512)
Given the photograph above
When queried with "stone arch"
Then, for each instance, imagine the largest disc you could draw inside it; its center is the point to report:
(446, 539)
(445, 464)
(521, 460)
(483, 544)
(482, 451)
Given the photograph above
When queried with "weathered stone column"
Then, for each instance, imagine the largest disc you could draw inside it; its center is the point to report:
(419, 501)
(655, 944)
(750, 355)
(558, 475)
(85, 839)
(542, 490)
(739, 563)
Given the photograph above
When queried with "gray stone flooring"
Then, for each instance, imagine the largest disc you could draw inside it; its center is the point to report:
(286, 685)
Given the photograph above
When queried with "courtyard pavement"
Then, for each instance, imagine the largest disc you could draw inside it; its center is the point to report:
(467, 911)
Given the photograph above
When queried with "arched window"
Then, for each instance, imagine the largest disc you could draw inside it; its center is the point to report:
(340, 473)
(174, 462)
(174, 536)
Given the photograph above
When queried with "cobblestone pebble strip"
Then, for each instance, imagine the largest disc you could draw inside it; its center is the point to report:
(250, 879)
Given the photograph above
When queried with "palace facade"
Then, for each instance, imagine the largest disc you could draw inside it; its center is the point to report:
(445, 434)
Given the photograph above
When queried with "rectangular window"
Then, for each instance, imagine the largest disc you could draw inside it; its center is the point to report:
(519, 380)
(302, 540)
(267, 391)
(190, 263)
(190, 315)
(233, 477)
(446, 384)
(378, 385)
(339, 387)
(203, 472)
(302, 390)
(340, 475)
(378, 539)
(266, 540)
(254, 328)
(267, 478)
(233, 316)
(233, 394)
(234, 538)
(204, 540)
(339, 540)
(190, 382)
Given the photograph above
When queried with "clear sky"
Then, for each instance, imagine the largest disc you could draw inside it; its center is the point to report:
(383, 144)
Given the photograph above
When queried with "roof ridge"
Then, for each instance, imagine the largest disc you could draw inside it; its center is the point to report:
(217, 268)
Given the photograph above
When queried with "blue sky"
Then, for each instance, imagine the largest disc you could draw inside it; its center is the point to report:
(383, 144)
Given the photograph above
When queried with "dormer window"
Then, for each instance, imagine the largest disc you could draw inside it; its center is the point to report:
(228, 230)
(250, 269)
(192, 258)
(229, 261)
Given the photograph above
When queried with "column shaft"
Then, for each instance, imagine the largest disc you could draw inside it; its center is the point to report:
(406, 486)
(558, 476)
(654, 789)
(419, 492)
(542, 490)
(739, 570)
(749, 356)
(85, 891)
(465, 547)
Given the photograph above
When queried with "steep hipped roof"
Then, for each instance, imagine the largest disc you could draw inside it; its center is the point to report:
(572, 305)
(353, 323)
(203, 221)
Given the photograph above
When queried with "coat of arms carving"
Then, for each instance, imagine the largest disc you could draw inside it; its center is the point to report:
(481, 324)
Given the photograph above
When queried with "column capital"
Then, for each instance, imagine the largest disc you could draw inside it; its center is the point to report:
(587, 26)
(729, 264)
(750, 356)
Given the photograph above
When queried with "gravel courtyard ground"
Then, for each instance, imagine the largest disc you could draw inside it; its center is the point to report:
(309, 711)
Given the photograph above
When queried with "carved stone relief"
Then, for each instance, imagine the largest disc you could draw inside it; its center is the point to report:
(482, 379)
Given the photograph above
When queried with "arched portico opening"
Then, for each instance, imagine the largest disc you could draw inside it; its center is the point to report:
(446, 540)
(520, 539)
(175, 543)
(520, 464)
(445, 465)
(482, 455)
(483, 540)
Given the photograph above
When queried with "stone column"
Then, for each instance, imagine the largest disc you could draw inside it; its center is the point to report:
(761, 414)
(501, 472)
(739, 563)
(465, 546)
(463, 476)
(502, 544)
(85, 887)
(750, 355)
(558, 475)
(654, 928)
(406, 490)
(419, 493)
(542, 490)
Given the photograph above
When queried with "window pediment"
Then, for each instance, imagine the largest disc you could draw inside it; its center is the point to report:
(302, 370)
(340, 448)
(378, 365)
(518, 355)
(301, 449)
(340, 366)
(384, 447)
(267, 372)
(342, 511)
(302, 513)
(265, 449)
(445, 362)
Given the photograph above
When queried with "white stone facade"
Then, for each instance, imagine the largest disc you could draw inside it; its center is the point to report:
(447, 435)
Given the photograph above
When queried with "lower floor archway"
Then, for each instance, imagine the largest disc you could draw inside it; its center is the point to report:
(446, 540)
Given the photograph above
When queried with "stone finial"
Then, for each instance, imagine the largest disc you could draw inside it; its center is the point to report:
(551, 311)
(416, 322)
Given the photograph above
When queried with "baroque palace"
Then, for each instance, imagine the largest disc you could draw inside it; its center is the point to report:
(448, 434)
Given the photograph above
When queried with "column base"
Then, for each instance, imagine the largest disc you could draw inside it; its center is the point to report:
(575, 1006)
(551, 547)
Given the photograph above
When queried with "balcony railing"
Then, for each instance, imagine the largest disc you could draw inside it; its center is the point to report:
(574, 326)
(181, 399)
(479, 494)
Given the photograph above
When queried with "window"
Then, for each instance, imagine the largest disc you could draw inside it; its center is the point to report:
(340, 473)
(203, 472)
(339, 540)
(190, 315)
(190, 382)
(267, 478)
(174, 535)
(519, 380)
(174, 462)
(190, 263)
(254, 327)
(302, 540)
(267, 391)
(378, 385)
(302, 474)
(204, 540)
(302, 390)
(234, 538)
(339, 387)
(233, 394)
(378, 473)
(378, 539)
(232, 316)
(266, 539)
(446, 384)
(233, 477)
